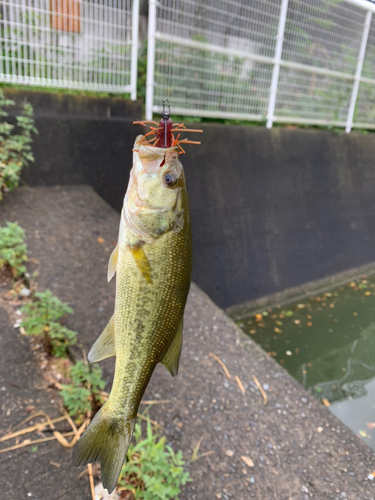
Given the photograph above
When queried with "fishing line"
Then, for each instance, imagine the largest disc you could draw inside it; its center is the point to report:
(166, 113)
(170, 48)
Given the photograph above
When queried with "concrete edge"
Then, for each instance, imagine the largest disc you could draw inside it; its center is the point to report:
(237, 312)
(245, 340)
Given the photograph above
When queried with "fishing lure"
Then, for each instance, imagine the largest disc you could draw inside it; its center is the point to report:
(165, 131)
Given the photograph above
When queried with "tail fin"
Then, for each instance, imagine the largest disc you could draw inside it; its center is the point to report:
(106, 439)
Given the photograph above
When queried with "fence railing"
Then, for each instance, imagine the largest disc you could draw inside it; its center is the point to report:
(78, 44)
(287, 61)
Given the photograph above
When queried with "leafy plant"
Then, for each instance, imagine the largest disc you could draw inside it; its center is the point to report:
(43, 317)
(83, 394)
(154, 471)
(45, 308)
(13, 249)
(61, 337)
(15, 144)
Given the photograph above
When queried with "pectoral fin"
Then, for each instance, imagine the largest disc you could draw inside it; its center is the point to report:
(104, 346)
(171, 359)
(142, 262)
(112, 264)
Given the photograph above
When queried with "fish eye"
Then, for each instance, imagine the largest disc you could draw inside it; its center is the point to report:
(170, 179)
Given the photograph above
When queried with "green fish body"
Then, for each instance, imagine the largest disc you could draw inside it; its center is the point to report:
(153, 265)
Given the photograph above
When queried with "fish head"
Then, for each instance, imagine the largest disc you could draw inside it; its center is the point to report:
(158, 176)
(153, 203)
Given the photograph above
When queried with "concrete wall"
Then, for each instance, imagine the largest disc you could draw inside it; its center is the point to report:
(274, 209)
(271, 209)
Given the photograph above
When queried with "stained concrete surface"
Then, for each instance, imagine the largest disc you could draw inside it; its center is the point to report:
(298, 448)
(27, 473)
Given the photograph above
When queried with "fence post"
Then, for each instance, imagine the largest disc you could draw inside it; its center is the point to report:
(358, 71)
(276, 66)
(150, 58)
(134, 55)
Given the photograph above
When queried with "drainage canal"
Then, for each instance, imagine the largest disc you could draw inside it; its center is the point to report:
(327, 342)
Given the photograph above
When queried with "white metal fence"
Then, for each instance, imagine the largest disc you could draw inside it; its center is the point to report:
(291, 61)
(78, 44)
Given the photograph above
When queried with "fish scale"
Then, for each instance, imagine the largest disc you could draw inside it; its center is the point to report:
(167, 295)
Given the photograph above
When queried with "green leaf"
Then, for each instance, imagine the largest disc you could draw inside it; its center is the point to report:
(13, 250)
(43, 317)
(78, 399)
(156, 471)
(15, 145)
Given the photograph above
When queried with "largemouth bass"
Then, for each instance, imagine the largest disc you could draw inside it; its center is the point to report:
(153, 265)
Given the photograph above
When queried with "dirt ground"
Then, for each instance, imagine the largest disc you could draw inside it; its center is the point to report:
(292, 448)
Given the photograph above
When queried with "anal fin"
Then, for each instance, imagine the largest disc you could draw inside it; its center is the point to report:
(142, 262)
(171, 359)
(104, 347)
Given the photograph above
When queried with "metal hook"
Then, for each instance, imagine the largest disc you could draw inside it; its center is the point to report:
(166, 109)
(166, 114)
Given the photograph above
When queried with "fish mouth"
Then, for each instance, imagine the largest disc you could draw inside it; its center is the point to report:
(141, 146)
(159, 151)
(152, 158)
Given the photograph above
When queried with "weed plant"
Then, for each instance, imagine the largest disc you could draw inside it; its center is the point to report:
(154, 471)
(83, 394)
(43, 317)
(15, 144)
(13, 249)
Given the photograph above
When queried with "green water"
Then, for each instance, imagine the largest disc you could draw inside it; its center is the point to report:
(327, 342)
